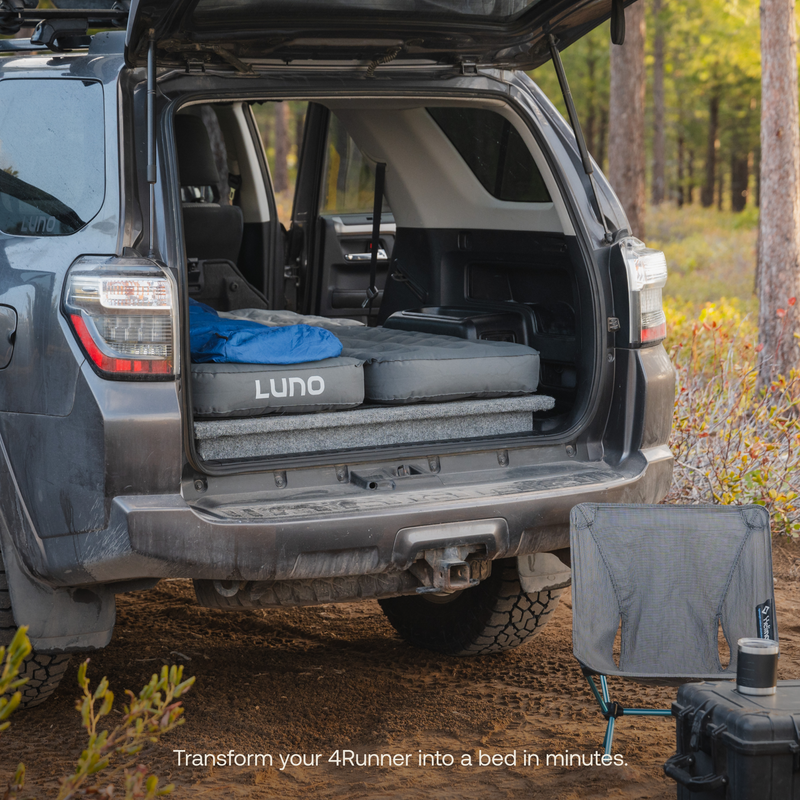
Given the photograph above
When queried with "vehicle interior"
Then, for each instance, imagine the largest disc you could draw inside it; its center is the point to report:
(472, 321)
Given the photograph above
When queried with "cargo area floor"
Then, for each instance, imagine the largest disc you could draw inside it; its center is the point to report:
(366, 427)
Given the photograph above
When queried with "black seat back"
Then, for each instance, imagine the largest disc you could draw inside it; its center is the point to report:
(211, 230)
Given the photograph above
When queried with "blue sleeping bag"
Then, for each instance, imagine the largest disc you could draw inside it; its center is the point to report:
(239, 341)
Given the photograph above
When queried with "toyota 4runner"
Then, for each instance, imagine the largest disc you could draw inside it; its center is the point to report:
(499, 332)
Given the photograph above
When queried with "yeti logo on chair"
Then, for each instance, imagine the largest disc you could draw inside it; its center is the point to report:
(315, 385)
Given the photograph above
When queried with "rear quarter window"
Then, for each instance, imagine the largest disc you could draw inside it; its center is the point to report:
(495, 152)
(52, 155)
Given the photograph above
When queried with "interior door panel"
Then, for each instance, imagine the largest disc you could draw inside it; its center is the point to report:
(331, 236)
(345, 267)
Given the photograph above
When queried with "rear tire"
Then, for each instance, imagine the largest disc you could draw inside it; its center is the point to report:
(44, 672)
(493, 616)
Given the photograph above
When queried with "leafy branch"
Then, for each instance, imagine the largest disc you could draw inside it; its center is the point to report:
(110, 755)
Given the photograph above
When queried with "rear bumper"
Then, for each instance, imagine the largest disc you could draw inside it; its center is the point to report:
(161, 536)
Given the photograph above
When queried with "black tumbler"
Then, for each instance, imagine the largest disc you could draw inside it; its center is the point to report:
(757, 666)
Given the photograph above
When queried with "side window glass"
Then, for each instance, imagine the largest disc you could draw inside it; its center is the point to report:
(495, 152)
(348, 177)
(52, 155)
(281, 127)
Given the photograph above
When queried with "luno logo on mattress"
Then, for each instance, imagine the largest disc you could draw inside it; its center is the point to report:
(314, 385)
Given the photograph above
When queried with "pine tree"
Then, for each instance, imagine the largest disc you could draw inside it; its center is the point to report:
(659, 110)
(626, 153)
(281, 176)
(778, 277)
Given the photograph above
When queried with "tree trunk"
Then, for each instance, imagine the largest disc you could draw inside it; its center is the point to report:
(757, 173)
(626, 154)
(720, 188)
(281, 176)
(690, 178)
(739, 180)
(300, 126)
(779, 220)
(659, 116)
(681, 178)
(707, 192)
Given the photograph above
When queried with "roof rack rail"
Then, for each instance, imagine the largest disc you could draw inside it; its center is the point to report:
(56, 29)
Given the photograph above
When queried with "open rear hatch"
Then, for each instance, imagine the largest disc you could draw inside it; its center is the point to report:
(507, 33)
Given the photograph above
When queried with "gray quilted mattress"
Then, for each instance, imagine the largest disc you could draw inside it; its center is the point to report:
(250, 390)
(377, 365)
(410, 367)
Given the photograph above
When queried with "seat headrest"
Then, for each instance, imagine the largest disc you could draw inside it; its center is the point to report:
(195, 158)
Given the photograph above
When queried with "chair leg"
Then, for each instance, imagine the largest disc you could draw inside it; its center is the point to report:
(611, 710)
(604, 689)
(609, 740)
(603, 700)
(597, 696)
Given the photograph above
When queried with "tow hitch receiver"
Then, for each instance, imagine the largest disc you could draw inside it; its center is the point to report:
(445, 570)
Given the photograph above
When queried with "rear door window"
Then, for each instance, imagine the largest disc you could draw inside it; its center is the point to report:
(495, 152)
(52, 155)
(348, 176)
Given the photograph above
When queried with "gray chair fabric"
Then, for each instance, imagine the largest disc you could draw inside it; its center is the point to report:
(667, 577)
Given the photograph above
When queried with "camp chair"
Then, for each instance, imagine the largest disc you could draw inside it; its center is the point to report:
(666, 578)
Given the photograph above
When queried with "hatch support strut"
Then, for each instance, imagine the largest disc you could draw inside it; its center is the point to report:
(576, 127)
(151, 136)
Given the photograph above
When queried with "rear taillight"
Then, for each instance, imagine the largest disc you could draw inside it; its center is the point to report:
(646, 272)
(121, 311)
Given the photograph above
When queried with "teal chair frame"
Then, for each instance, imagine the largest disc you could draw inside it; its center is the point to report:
(612, 710)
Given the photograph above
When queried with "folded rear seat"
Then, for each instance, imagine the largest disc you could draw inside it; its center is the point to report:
(249, 390)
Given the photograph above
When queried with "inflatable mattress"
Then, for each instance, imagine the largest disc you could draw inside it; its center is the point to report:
(377, 365)
(411, 367)
(250, 390)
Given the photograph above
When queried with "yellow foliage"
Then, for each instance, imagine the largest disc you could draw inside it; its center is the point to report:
(733, 441)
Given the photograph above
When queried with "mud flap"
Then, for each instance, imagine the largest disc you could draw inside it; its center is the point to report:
(542, 572)
(59, 620)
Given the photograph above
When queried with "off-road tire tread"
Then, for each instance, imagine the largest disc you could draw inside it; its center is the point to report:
(494, 616)
(44, 672)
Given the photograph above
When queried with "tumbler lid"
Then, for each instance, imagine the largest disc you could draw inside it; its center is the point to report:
(759, 647)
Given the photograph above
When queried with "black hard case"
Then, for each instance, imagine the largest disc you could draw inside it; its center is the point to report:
(466, 323)
(733, 746)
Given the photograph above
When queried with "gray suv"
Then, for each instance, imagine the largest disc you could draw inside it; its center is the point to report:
(491, 334)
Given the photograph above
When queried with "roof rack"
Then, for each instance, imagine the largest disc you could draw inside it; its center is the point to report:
(56, 29)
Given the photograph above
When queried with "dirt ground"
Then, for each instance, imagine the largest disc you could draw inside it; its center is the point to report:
(316, 680)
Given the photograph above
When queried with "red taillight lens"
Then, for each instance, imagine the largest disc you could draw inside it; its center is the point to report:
(656, 334)
(647, 274)
(111, 363)
(121, 312)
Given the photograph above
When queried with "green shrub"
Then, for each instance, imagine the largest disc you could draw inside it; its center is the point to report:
(711, 254)
(109, 756)
(732, 442)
